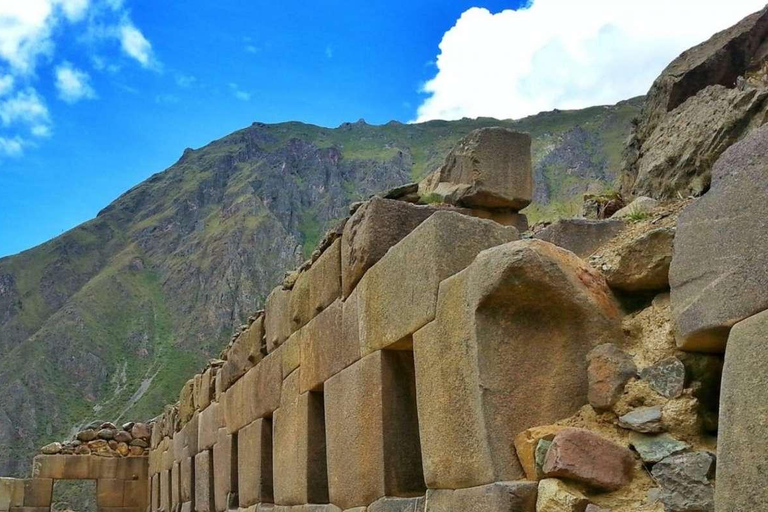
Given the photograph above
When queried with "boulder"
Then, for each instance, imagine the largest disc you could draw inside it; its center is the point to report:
(556, 496)
(444, 244)
(506, 352)
(489, 168)
(375, 227)
(694, 111)
(667, 377)
(640, 207)
(711, 293)
(609, 370)
(586, 457)
(527, 443)
(51, 449)
(653, 448)
(687, 483)
(506, 496)
(743, 432)
(580, 236)
(646, 420)
(642, 264)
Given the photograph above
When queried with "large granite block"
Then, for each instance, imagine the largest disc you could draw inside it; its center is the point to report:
(204, 482)
(398, 295)
(506, 352)
(496, 497)
(254, 463)
(277, 318)
(255, 395)
(317, 287)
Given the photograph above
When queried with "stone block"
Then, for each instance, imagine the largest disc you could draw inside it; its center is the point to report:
(369, 233)
(277, 318)
(686, 483)
(556, 496)
(135, 493)
(291, 352)
(506, 352)
(207, 388)
(398, 295)
(580, 236)
(175, 486)
(743, 432)
(299, 457)
(11, 493)
(154, 498)
(30, 509)
(109, 493)
(244, 354)
(224, 457)
(584, 456)
(204, 482)
(254, 463)
(489, 168)
(325, 350)
(121, 509)
(38, 492)
(317, 287)
(526, 443)
(64, 467)
(186, 479)
(506, 496)
(372, 430)
(165, 491)
(393, 504)
(210, 420)
(642, 263)
(256, 395)
(187, 401)
(710, 293)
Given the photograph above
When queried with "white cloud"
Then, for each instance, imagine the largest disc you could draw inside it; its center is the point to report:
(239, 93)
(11, 147)
(26, 107)
(329, 52)
(6, 84)
(136, 45)
(185, 81)
(74, 10)
(25, 29)
(73, 84)
(565, 54)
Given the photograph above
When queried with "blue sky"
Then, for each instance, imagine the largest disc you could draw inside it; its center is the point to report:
(97, 95)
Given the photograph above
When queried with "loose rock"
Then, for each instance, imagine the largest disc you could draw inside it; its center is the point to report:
(667, 377)
(556, 496)
(655, 448)
(609, 370)
(686, 482)
(646, 420)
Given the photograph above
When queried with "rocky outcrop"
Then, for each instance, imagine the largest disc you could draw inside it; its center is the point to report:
(705, 100)
(718, 275)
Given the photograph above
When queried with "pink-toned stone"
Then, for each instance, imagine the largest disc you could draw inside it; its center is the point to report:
(584, 456)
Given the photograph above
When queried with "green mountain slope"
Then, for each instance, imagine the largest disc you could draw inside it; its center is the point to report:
(110, 318)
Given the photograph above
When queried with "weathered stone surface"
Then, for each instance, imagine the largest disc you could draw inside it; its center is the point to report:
(743, 432)
(667, 377)
(642, 205)
(556, 496)
(646, 420)
(580, 236)
(655, 448)
(209, 422)
(594, 508)
(38, 492)
(439, 247)
(586, 457)
(489, 168)
(186, 479)
(678, 109)
(299, 459)
(391, 504)
(489, 367)
(244, 354)
(11, 493)
(254, 463)
(642, 264)
(372, 430)
(109, 493)
(51, 449)
(526, 443)
(291, 352)
(255, 395)
(317, 287)
(325, 350)
(165, 491)
(135, 493)
(506, 496)
(206, 389)
(687, 484)
(277, 318)
(540, 455)
(375, 227)
(185, 441)
(155, 496)
(222, 469)
(711, 293)
(78, 467)
(204, 482)
(609, 370)
(186, 401)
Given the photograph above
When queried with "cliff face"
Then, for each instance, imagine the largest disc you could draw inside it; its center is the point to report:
(109, 319)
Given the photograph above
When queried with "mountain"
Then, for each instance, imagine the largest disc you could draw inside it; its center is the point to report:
(109, 319)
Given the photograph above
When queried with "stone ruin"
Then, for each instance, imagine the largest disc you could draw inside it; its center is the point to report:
(434, 355)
